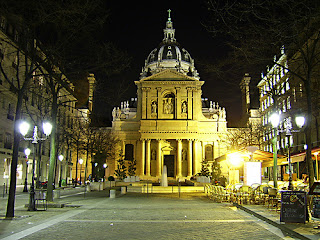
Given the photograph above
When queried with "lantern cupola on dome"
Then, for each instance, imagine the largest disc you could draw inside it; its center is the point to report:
(169, 55)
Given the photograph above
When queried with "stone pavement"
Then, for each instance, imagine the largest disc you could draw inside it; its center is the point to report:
(299, 230)
(141, 216)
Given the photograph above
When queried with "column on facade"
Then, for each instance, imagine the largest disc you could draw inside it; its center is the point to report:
(203, 152)
(159, 103)
(197, 104)
(143, 144)
(189, 158)
(190, 103)
(194, 150)
(148, 157)
(178, 103)
(159, 165)
(123, 148)
(145, 102)
(179, 159)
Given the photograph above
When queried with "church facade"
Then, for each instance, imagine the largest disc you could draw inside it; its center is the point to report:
(169, 123)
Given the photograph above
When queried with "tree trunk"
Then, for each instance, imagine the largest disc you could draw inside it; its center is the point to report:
(14, 162)
(52, 147)
(77, 160)
(309, 160)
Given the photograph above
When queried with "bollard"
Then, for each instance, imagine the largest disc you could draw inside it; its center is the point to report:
(112, 193)
(123, 190)
(56, 193)
(88, 188)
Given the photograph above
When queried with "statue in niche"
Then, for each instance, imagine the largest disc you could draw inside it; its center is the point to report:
(184, 107)
(168, 106)
(184, 155)
(154, 107)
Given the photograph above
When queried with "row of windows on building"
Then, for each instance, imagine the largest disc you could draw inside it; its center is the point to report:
(280, 88)
(285, 106)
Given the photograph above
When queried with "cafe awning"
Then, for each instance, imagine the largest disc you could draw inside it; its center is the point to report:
(266, 158)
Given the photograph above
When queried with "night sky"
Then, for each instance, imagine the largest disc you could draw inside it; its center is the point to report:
(137, 28)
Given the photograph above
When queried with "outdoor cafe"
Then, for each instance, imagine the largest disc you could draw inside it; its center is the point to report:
(249, 174)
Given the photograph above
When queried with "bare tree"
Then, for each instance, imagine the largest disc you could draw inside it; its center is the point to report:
(26, 61)
(68, 32)
(105, 150)
(252, 135)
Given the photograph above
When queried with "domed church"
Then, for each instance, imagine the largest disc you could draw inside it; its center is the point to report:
(169, 123)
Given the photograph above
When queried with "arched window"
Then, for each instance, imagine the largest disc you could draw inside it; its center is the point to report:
(209, 152)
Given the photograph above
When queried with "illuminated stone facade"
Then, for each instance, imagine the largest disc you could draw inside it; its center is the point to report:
(169, 123)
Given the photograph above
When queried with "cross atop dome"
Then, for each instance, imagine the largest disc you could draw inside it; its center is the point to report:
(169, 30)
(169, 18)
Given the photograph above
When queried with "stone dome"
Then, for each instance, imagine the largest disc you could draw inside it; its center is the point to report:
(169, 55)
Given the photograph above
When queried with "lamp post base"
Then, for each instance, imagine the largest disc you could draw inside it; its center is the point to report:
(32, 202)
(290, 186)
(25, 189)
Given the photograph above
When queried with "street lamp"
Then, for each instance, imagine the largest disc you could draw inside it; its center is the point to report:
(80, 162)
(24, 128)
(275, 120)
(27, 152)
(105, 166)
(60, 157)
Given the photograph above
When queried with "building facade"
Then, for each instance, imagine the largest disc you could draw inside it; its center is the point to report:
(169, 123)
(36, 108)
(280, 93)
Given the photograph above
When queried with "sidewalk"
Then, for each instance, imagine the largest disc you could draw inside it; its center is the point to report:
(297, 230)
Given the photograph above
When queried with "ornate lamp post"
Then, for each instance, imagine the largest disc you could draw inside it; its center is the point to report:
(80, 162)
(24, 128)
(27, 152)
(300, 120)
(60, 157)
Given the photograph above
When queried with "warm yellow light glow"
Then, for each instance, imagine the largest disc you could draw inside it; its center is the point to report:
(235, 159)
(80, 161)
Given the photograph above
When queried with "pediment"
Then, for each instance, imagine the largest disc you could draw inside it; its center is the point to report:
(169, 75)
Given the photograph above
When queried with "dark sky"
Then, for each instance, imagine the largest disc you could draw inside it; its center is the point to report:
(137, 28)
